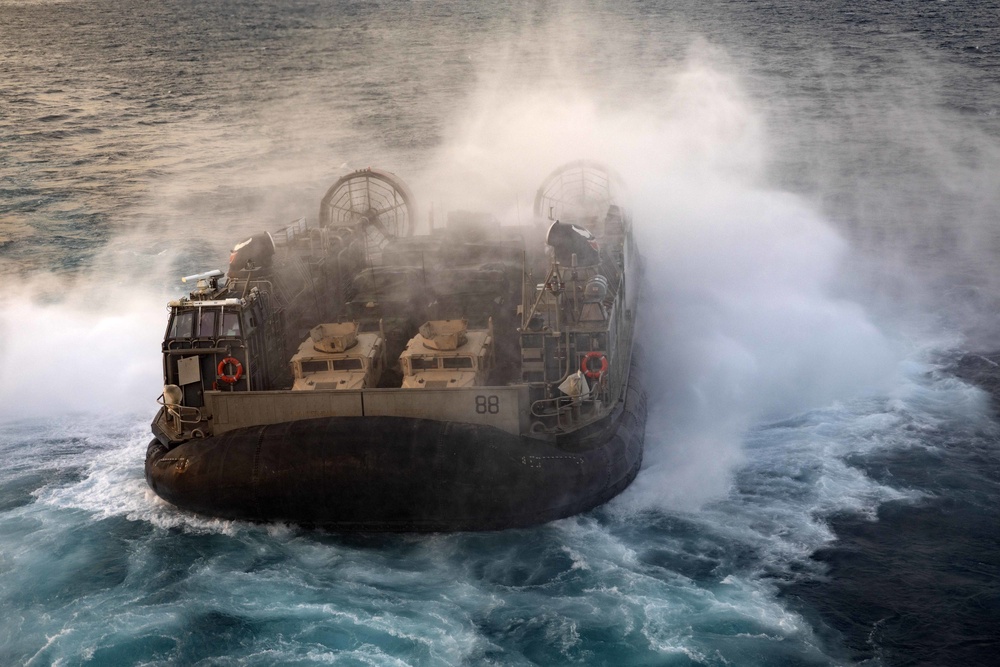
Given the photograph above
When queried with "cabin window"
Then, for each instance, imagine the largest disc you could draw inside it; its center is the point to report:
(230, 323)
(206, 324)
(531, 340)
(586, 342)
(347, 364)
(423, 363)
(315, 366)
(457, 362)
(182, 325)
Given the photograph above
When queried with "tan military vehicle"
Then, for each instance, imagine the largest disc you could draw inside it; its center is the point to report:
(446, 354)
(338, 356)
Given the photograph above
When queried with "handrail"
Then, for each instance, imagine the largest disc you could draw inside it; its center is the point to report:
(578, 414)
(567, 402)
(177, 411)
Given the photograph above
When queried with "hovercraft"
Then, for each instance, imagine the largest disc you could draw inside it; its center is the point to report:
(354, 375)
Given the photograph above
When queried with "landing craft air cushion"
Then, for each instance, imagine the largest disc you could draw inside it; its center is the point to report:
(355, 376)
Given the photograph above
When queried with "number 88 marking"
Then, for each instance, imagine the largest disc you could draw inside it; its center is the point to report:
(488, 404)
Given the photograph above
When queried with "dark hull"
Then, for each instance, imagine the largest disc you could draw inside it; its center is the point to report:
(400, 474)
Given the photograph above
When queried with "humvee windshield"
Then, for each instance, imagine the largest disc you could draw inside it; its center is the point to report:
(315, 366)
(423, 363)
(457, 362)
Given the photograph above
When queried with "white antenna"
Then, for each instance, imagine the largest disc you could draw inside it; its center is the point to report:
(214, 273)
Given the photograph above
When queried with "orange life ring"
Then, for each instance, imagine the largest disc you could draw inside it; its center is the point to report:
(588, 368)
(230, 361)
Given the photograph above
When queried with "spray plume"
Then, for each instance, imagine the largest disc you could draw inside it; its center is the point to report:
(741, 318)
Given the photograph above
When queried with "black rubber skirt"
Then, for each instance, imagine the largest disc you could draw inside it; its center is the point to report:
(398, 474)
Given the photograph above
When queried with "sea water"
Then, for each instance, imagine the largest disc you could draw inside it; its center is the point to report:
(815, 192)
